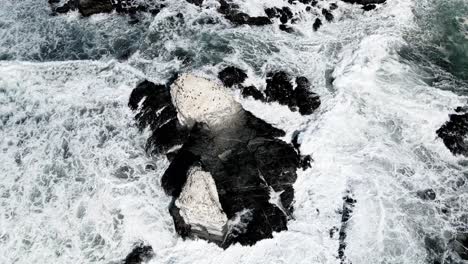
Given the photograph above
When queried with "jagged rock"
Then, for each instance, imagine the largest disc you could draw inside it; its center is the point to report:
(240, 18)
(231, 76)
(369, 7)
(454, 133)
(306, 100)
(279, 89)
(317, 24)
(141, 253)
(227, 147)
(158, 113)
(327, 14)
(90, 7)
(67, 7)
(251, 91)
(231, 13)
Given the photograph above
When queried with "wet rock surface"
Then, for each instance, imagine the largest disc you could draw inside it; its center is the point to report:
(240, 162)
(231, 76)
(91, 7)
(140, 253)
(232, 13)
(280, 88)
(454, 132)
(285, 15)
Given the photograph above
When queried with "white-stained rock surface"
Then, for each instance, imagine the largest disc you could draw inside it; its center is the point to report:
(199, 205)
(200, 100)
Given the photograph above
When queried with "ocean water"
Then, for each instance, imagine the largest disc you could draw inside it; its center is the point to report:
(76, 185)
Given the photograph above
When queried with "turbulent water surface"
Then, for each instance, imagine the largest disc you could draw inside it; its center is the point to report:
(76, 185)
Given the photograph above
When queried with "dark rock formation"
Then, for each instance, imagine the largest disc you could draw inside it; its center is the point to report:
(158, 113)
(232, 75)
(454, 132)
(306, 100)
(141, 253)
(348, 206)
(246, 161)
(91, 7)
(231, 12)
(328, 16)
(369, 7)
(317, 24)
(251, 91)
(279, 89)
(286, 28)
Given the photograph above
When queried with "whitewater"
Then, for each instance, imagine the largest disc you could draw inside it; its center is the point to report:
(76, 185)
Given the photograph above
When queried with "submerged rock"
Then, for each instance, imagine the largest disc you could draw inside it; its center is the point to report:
(348, 206)
(454, 132)
(141, 253)
(229, 166)
(427, 194)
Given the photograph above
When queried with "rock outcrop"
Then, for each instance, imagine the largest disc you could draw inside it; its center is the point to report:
(140, 253)
(198, 205)
(232, 13)
(231, 179)
(283, 13)
(279, 88)
(91, 7)
(454, 132)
